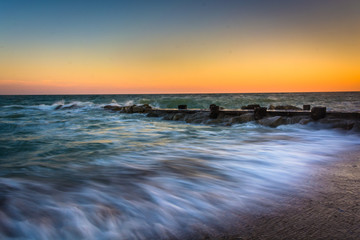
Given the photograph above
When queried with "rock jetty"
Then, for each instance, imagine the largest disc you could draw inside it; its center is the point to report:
(273, 116)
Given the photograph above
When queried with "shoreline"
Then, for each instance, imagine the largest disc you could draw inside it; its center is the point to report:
(326, 206)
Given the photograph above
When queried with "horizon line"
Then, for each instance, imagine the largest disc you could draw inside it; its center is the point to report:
(180, 93)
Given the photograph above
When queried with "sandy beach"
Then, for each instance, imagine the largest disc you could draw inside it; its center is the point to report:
(327, 206)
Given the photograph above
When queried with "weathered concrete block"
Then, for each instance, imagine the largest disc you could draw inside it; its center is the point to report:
(214, 111)
(318, 113)
(260, 112)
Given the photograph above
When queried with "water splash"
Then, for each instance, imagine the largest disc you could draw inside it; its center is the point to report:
(89, 173)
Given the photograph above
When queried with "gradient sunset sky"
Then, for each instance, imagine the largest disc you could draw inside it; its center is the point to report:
(94, 47)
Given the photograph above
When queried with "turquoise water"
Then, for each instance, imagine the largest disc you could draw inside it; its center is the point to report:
(87, 173)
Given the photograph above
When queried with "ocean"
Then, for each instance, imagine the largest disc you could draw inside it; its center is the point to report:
(88, 173)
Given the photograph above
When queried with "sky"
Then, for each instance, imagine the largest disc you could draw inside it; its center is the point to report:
(121, 47)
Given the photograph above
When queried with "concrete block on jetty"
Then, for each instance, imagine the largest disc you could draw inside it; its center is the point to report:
(261, 115)
(214, 111)
(260, 112)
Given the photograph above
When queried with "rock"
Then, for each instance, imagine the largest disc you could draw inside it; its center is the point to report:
(260, 112)
(222, 115)
(243, 118)
(137, 109)
(178, 116)
(356, 127)
(318, 113)
(306, 107)
(58, 107)
(251, 106)
(338, 123)
(304, 121)
(196, 117)
(272, 121)
(198, 121)
(140, 108)
(295, 119)
(214, 111)
(169, 116)
(152, 114)
(346, 125)
(128, 109)
(113, 108)
(214, 121)
(182, 106)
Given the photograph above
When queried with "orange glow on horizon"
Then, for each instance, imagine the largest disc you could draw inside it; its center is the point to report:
(258, 67)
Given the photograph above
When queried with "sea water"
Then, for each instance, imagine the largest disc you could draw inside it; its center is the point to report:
(88, 173)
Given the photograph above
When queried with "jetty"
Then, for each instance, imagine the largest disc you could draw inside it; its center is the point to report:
(272, 116)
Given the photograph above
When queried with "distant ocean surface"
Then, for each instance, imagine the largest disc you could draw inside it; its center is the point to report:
(88, 173)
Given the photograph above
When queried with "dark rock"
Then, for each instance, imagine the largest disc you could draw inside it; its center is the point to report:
(296, 119)
(112, 108)
(338, 123)
(152, 114)
(178, 116)
(58, 107)
(304, 121)
(243, 118)
(130, 109)
(251, 106)
(318, 113)
(214, 121)
(272, 121)
(196, 117)
(169, 116)
(214, 111)
(197, 121)
(306, 107)
(212, 106)
(182, 106)
(356, 127)
(138, 109)
(260, 112)
(346, 125)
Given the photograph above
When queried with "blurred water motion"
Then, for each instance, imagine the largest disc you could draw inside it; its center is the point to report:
(86, 173)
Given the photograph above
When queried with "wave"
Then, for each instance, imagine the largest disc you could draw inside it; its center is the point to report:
(333, 101)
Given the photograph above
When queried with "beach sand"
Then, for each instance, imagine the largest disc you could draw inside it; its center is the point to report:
(325, 206)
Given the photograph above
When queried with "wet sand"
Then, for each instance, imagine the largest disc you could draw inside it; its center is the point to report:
(326, 206)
